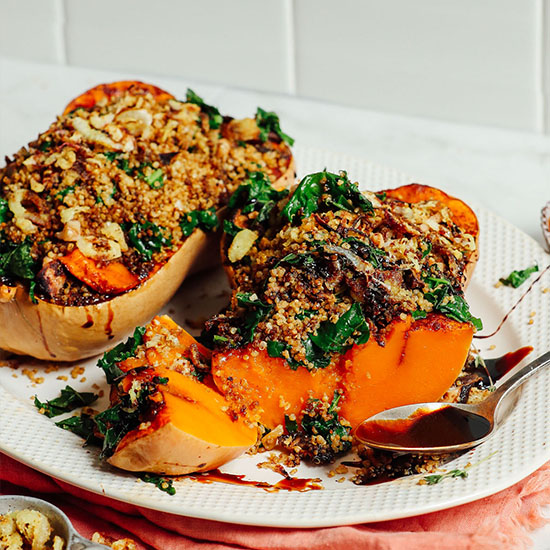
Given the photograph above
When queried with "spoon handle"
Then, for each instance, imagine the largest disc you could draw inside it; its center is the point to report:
(519, 378)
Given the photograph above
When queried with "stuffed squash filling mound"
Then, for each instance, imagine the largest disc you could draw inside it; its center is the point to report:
(111, 190)
(344, 303)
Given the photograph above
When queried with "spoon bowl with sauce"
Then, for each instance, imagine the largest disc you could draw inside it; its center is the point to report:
(441, 428)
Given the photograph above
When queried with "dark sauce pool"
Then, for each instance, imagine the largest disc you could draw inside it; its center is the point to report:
(445, 426)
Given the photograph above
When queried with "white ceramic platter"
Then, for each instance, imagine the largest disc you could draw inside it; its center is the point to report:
(519, 447)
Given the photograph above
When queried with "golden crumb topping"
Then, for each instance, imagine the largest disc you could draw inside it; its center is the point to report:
(125, 181)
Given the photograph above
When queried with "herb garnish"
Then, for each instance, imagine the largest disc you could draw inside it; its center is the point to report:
(335, 337)
(324, 191)
(436, 478)
(4, 210)
(61, 194)
(69, 400)
(257, 195)
(448, 302)
(163, 483)
(147, 238)
(119, 353)
(256, 312)
(267, 122)
(207, 220)
(16, 260)
(517, 278)
(215, 119)
(155, 179)
(83, 426)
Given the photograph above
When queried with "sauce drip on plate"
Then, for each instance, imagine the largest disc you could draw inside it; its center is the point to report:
(288, 484)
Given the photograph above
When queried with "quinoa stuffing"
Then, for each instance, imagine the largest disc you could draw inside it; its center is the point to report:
(330, 266)
(122, 182)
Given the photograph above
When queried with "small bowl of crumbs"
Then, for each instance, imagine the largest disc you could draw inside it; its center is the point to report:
(28, 523)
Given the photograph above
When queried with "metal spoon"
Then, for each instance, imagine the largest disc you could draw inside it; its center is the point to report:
(60, 523)
(445, 427)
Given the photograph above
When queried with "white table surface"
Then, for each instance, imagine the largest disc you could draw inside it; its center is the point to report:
(505, 171)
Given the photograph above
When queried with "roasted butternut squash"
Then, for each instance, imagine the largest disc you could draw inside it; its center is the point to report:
(173, 419)
(345, 295)
(119, 192)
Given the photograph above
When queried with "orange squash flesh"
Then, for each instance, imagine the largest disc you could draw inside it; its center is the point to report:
(110, 278)
(418, 362)
(193, 429)
(266, 385)
(192, 432)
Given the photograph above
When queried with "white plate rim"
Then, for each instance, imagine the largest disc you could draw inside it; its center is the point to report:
(311, 156)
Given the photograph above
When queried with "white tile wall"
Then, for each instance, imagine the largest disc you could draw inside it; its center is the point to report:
(473, 61)
(468, 60)
(31, 29)
(240, 43)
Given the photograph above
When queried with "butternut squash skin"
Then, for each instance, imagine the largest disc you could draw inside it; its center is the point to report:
(192, 429)
(69, 333)
(191, 433)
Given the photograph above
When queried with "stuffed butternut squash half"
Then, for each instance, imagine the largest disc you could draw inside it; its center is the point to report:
(102, 216)
(343, 293)
(344, 304)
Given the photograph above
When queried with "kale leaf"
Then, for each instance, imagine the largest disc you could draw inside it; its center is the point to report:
(163, 483)
(276, 349)
(215, 119)
(419, 314)
(257, 195)
(328, 425)
(267, 122)
(334, 337)
(231, 228)
(126, 415)
(147, 238)
(256, 310)
(365, 250)
(449, 302)
(324, 191)
(83, 426)
(306, 197)
(207, 220)
(517, 278)
(69, 400)
(155, 179)
(62, 193)
(4, 210)
(119, 353)
(16, 260)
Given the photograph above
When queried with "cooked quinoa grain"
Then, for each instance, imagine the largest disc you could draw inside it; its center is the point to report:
(122, 182)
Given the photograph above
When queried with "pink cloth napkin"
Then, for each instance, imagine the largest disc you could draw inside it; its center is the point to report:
(499, 522)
